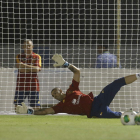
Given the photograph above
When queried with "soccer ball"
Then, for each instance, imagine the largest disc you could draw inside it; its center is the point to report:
(137, 119)
(128, 117)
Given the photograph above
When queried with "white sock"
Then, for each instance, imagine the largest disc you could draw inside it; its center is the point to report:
(138, 75)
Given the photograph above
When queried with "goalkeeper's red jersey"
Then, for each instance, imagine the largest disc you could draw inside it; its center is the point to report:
(28, 81)
(75, 101)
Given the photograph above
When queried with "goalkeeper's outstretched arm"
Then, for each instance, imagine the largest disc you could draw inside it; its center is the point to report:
(76, 72)
(44, 111)
(23, 109)
(59, 61)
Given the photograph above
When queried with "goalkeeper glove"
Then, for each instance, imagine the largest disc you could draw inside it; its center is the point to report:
(59, 61)
(23, 109)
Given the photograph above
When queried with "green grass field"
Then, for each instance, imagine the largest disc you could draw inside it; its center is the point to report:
(19, 127)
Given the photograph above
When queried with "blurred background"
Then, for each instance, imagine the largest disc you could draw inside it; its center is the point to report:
(70, 27)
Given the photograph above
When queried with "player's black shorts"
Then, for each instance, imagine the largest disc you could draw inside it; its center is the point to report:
(100, 106)
(33, 98)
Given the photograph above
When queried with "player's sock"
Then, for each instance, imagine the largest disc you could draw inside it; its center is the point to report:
(138, 75)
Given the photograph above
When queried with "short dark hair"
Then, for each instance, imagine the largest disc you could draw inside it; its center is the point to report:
(104, 46)
(103, 43)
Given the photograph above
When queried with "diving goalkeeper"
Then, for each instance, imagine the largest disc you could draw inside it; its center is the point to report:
(75, 102)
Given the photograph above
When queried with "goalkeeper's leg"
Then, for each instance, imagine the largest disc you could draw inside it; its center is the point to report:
(103, 100)
(102, 111)
(106, 112)
(108, 93)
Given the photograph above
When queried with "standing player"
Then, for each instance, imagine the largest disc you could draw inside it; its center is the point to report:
(105, 59)
(28, 64)
(75, 102)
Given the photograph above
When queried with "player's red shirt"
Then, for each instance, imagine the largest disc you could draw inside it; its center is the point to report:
(75, 101)
(28, 81)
